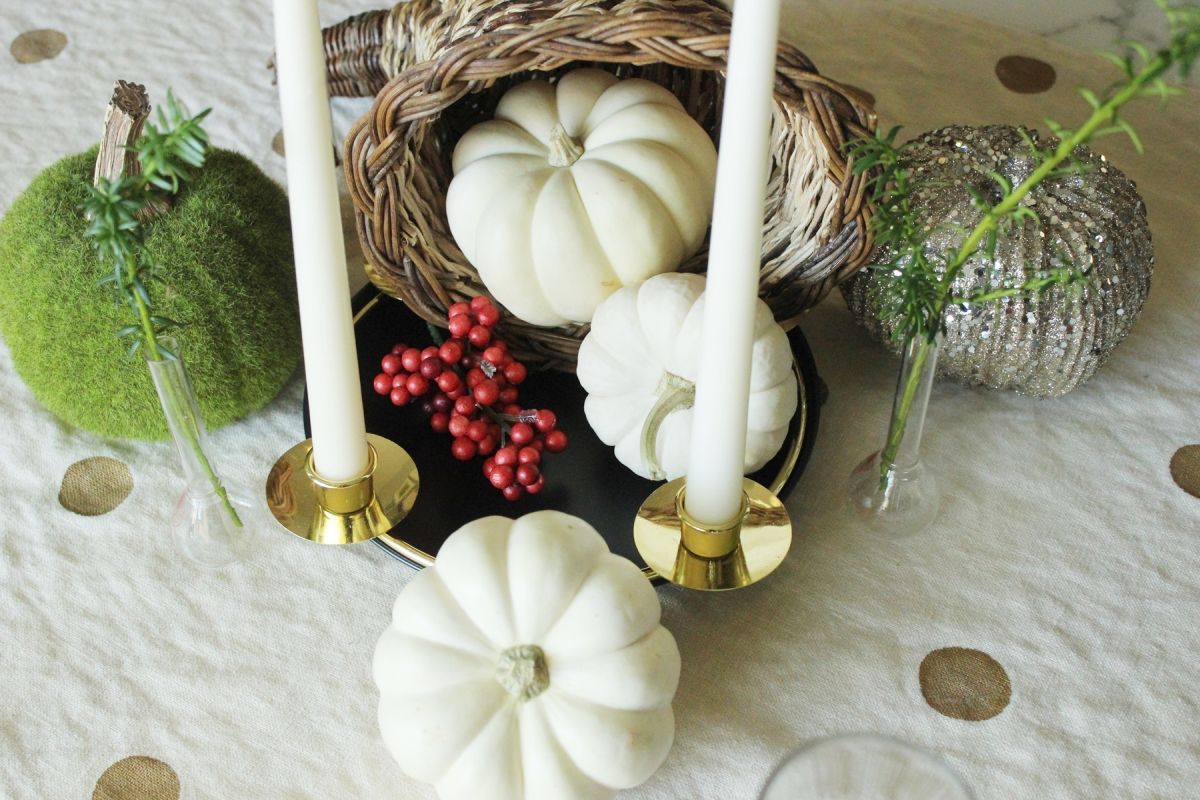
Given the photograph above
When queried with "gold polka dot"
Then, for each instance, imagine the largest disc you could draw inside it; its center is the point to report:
(964, 684)
(33, 46)
(1025, 75)
(1185, 469)
(277, 143)
(95, 486)
(137, 778)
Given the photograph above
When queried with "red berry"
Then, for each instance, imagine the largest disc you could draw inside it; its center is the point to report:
(475, 377)
(411, 359)
(529, 455)
(537, 485)
(427, 408)
(400, 396)
(458, 425)
(488, 316)
(460, 325)
(488, 466)
(463, 449)
(527, 474)
(556, 441)
(487, 445)
(501, 476)
(506, 456)
(400, 379)
(508, 394)
(546, 421)
(465, 405)
(441, 403)
(417, 385)
(398, 349)
(450, 352)
(512, 410)
(476, 430)
(382, 383)
(479, 335)
(480, 301)
(538, 445)
(431, 367)
(513, 492)
(390, 363)
(515, 372)
(440, 422)
(448, 381)
(521, 433)
(486, 392)
(495, 355)
(458, 308)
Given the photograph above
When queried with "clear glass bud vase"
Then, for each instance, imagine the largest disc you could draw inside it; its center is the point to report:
(210, 525)
(892, 491)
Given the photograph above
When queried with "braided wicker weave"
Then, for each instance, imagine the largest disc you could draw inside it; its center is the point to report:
(440, 67)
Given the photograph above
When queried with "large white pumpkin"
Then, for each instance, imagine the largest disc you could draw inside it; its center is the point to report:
(641, 359)
(527, 664)
(578, 188)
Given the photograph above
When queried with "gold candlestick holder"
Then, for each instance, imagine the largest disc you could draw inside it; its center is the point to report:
(346, 512)
(691, 554)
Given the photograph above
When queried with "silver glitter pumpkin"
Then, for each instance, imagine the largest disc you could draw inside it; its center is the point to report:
(1043, 346)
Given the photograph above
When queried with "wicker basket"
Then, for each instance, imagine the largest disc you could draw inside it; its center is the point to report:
(397, 158)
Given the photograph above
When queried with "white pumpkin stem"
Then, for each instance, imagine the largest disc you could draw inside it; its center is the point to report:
(522, 671)
(674, 394)
(564, 151)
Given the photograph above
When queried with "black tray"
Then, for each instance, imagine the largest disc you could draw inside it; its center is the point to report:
(586, 480)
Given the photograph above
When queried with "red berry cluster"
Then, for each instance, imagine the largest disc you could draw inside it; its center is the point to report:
(470, 382)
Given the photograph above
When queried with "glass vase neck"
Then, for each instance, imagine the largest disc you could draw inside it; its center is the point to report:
(902, 449)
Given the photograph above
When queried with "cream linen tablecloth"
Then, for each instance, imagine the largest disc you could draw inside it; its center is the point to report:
(1064, 549)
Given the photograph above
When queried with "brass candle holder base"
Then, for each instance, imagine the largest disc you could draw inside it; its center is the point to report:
(343, 513)
(689, 554)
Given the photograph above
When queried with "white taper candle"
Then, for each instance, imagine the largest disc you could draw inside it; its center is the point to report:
(717, 456)
(330, 358)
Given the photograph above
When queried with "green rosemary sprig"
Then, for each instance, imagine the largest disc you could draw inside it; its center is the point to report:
(169, 154)
(916, 285)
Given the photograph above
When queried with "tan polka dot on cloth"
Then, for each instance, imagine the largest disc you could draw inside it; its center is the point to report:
(33, 46)
(95, 486)
(1185, 469)
(1025, 75)
(964, 684)
(137, 778)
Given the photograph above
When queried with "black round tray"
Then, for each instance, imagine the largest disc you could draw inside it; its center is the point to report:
(586, 480)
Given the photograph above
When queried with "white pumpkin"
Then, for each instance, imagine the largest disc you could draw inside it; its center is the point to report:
(527, 664)
(578, 188)
(640, 360)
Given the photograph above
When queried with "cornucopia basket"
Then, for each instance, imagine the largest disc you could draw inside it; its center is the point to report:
(441, 67)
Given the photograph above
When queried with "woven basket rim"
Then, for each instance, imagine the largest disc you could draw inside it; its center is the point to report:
(418, 95)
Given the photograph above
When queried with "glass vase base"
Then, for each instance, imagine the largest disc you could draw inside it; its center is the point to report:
(897, 501)
(203, 529)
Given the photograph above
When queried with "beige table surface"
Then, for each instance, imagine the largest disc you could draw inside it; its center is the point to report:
(1064, 550)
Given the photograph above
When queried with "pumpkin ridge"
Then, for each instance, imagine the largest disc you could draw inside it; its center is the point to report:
(596, 242)
(641, 191)
(505, 709)
(564, 759)
(597, 156)
(449, 595)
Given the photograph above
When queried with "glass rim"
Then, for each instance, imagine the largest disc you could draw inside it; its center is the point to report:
(931, 757)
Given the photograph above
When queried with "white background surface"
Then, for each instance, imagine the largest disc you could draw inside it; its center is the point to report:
(1063, 548)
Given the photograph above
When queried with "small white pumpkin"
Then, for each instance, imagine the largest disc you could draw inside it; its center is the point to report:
(578, 188)
(639, 365)
(527, 664)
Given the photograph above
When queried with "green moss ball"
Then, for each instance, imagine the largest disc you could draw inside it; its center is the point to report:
(225, 252)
